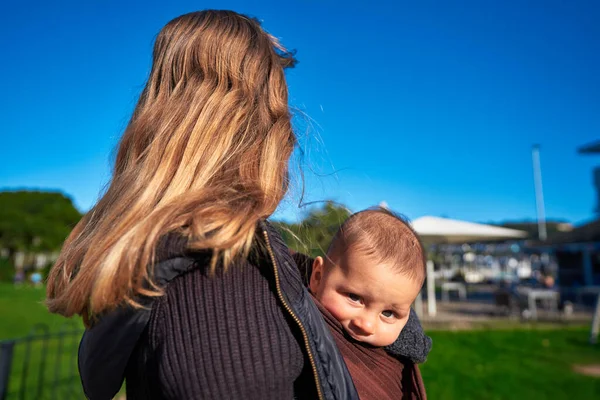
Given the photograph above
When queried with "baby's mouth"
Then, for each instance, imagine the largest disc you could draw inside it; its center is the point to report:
(358, 338)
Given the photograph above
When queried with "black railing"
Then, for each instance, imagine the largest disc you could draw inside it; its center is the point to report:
(42, 365)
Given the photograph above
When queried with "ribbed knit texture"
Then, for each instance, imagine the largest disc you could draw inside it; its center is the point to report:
(221, 337)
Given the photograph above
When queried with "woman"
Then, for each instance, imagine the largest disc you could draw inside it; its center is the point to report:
(185, 290)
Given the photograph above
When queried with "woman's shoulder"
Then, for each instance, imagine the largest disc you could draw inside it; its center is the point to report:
(186, 275)
(175, 260)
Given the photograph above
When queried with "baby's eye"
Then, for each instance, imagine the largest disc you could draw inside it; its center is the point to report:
(388, 314)
(354, 297)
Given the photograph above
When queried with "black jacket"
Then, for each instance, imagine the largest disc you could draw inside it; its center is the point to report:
(105, 348)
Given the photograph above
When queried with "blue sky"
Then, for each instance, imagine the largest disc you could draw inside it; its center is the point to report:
(430, 106)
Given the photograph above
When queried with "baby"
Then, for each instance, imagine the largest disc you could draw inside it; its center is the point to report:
(364, 287)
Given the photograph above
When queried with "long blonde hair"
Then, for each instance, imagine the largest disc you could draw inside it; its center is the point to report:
(205, 154)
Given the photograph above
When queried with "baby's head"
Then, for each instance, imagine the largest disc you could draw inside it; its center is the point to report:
(372, 273)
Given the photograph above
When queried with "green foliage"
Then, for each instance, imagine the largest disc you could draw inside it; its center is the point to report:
(313, 234)
(35, 221)
(7, 270)
(45, 271)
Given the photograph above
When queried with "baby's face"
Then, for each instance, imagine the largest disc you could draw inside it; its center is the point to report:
(370, 300)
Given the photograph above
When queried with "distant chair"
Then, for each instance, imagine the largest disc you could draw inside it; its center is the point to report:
(460, 288)
(585, 291)
(507, 301)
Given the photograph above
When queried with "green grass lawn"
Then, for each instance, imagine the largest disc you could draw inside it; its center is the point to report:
(505, 363)
(41, 368)
(530, 364)
(21, 308)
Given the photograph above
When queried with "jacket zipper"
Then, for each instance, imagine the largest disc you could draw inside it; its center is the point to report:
(289, 310)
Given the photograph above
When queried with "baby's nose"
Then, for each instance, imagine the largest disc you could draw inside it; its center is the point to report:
(365, 325)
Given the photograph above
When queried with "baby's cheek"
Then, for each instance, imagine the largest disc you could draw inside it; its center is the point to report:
(390, 333)
(337, 309)
(402, 324)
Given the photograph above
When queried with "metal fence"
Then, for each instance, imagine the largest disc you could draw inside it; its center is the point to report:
(42, 365)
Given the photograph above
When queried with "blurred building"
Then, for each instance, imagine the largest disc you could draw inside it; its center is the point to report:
(578, 251)
(594, 148)
(578, 255)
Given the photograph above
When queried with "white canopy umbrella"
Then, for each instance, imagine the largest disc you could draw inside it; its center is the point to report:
(444, 230)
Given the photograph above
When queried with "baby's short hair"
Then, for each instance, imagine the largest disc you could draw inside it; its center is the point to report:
(377, 232)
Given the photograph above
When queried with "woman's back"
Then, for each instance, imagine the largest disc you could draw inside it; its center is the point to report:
(251, 332)
(216, 337)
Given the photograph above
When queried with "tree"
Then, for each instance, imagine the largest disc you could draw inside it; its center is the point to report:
(314, 233)
(35, 221)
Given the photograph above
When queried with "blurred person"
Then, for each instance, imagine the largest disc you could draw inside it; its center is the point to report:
(548, 282)
(19, 277)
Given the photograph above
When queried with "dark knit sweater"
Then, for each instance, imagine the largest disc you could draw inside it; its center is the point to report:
(220, 337)
(225, 337)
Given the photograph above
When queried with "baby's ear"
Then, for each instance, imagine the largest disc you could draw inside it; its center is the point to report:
(317, 274)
